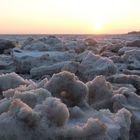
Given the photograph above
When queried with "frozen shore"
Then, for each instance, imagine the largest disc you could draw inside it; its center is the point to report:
(70, 87)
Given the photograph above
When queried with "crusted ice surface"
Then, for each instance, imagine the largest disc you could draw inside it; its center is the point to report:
(11, 80)
(51, 101)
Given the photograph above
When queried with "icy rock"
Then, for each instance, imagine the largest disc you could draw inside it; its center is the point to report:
(72, 67)
(33, 97)
(47, 119)
(130, 101)
(6, 44)
(107, 54)
(6, 64)
(121, 66)
(77, 46)
(68, 88)
(125, 79)
(131, 72)
(100, 93)
(129, 87)
(55, 68)
(123, 118)
(93, 65)
(43, 39)
(125, 98)
(91, 129)
(125, 49)
(132, 57)
(116, 59)
(52, 40)
(47, 70)
(56, 112)
(10, 92)
(5, 61)
(36, 45)
(16, 105)
(11, 129)
(112, 47)
(103, 125)
(28, 41)
(42, 83)
(27, 97)
(4, 105)
(54, 43)
(76, 112)
(41, 94)
(26, 60)
(11, 80)
(94, 50)
(90, 42)
(135, 43)
(22, 112)
(80, 57)
(51, 43)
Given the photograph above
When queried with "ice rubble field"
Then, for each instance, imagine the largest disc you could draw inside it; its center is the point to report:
(70, 87)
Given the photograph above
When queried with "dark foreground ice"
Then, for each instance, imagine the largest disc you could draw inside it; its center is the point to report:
(70, 87)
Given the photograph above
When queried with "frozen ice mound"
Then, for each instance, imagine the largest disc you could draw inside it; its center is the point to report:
(60, 110)
(93, 65)
(68, 88)
(11, 80)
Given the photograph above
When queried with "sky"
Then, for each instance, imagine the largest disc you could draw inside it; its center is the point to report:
(69, 16)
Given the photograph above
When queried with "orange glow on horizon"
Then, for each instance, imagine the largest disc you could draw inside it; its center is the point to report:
(69, 16)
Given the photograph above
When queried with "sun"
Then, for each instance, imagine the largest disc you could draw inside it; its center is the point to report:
(98, 26)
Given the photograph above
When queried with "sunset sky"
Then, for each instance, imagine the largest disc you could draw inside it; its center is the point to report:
(69, 16)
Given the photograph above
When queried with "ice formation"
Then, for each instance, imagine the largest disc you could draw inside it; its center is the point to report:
(70, 88)
(93, 65)
(72, 91)
(100, 93)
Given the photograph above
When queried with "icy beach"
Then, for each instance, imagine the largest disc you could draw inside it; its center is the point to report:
(70, 87)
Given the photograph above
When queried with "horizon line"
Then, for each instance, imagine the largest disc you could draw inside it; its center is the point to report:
(64, 33)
